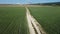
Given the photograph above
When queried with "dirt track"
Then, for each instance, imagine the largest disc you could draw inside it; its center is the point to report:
(34, 26)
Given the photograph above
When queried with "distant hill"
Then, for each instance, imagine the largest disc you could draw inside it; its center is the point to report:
(52, 3)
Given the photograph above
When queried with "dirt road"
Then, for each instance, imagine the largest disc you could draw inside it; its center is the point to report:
(31, 29)
(34, 26)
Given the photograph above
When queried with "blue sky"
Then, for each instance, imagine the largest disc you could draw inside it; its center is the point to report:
(26, 1)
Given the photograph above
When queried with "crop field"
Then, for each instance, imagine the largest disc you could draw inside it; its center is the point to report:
(13, 20)
(48, 17)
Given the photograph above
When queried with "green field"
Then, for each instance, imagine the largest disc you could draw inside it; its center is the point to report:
(13, 20)
(48, 17)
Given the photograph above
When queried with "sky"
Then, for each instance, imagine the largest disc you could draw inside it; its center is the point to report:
(26, 1)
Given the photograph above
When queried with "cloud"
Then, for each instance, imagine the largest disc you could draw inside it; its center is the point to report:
(17, 3)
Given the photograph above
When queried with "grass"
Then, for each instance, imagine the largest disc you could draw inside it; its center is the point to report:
(13, 20)
(48, 17)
